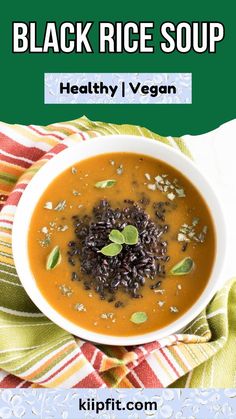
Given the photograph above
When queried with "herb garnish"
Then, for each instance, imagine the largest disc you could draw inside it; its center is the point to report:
(105, 183)
(80, 307)
(139, 317)
(184, 267)
(187, 233)
(116, 237)
(46, 241)
(54, 258)
(112, 249)
(60, 206)
(174, 309)
(129, 235)
(163, 184)
(107, 316)
(47, 237)
(67, 291)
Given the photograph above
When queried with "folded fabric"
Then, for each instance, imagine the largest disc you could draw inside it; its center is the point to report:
(35, 352)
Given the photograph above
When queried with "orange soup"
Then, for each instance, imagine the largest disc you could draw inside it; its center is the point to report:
(121, 244)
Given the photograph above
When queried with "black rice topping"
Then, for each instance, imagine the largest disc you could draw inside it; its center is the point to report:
(134, 266)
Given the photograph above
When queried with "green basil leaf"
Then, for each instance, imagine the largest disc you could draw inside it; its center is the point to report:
(54, 258)
(139, 317)
(105, 183)
(111, 249)
(116, 237)
(130, 234)
(184, 267)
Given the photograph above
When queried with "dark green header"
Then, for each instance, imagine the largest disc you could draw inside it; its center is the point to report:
(213, 74)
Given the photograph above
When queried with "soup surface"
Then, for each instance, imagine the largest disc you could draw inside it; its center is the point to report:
(113, 280)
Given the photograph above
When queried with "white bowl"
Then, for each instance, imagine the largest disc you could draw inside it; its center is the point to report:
(94, 147)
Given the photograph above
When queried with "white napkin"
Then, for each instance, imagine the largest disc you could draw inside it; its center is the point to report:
(215, 154)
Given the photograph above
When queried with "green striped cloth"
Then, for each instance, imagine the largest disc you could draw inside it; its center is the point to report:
(219, 320)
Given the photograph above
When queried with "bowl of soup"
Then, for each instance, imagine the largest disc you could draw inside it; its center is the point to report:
(119, 240)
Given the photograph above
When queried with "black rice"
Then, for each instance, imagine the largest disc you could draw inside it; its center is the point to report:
(135, 266)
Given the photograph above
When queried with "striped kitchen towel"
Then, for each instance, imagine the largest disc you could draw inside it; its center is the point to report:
(35, 352)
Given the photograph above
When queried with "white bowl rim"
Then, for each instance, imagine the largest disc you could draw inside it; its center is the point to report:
(106, 143)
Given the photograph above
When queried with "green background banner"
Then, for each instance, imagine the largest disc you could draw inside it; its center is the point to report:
(214, 89)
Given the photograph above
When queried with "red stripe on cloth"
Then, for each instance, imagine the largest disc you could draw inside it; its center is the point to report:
(21, 185)
(46, 134)
(14, 161)
(147, 375)
(92, 380)
(140, 355)
(88, 350)
(152, 346)
(13, 198)
(10, 381)
(58, 148)
(142, 352)
(176, 339)
(98, 360)
(133, 380)
(26, 384)
(19, 150)
(138, 351)
(62, 368)
(82, 136)
(169, 362)
(6, 221)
